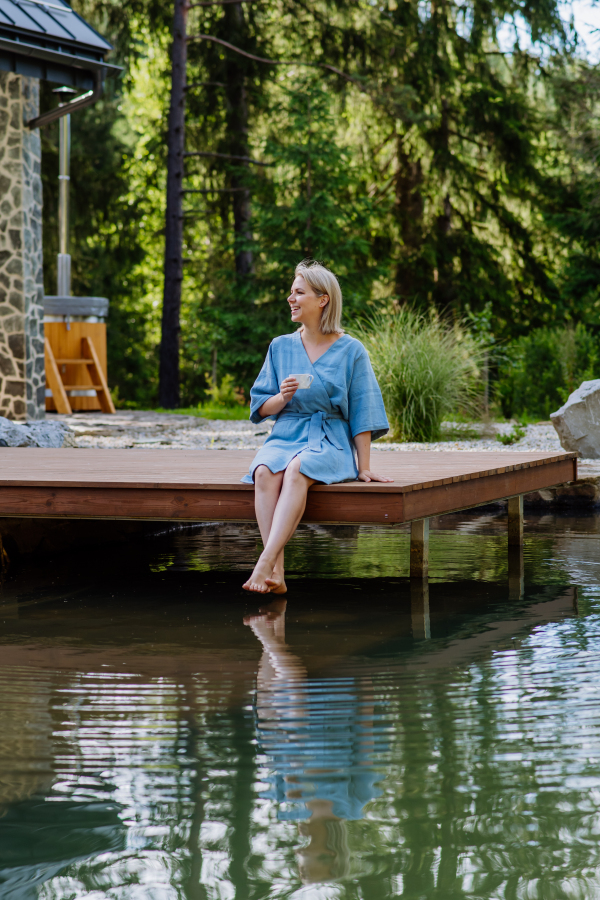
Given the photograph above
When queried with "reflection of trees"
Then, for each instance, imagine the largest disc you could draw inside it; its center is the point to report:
(320, 551)
(26, 746)
(477, 788)
(42, 832)
(489, 775)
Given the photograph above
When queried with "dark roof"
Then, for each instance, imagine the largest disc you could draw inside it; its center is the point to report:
(49, 40)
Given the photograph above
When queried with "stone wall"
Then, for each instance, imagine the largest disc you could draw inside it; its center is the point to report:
(22, 377)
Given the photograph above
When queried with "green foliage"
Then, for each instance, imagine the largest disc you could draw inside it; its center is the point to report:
(538, 371)
(225, 394)
(518, 432)
(446, 174)
(310, 201)
(314, 202)
(117, 160)
(427, 369)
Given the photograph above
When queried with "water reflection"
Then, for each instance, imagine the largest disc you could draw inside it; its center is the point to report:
(42, 832)
(370, 739)
(320, 739)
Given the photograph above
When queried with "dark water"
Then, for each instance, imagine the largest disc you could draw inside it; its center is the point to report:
(161, 737)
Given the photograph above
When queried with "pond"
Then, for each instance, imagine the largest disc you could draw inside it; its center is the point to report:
(163, 734)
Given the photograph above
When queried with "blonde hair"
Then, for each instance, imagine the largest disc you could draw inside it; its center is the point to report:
(323, 281)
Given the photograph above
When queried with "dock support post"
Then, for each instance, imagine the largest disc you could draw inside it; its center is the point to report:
(516, 573)
(419, 609)
(419, 548)
(515, 521)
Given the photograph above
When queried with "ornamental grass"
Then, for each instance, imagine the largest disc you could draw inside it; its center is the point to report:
(428, 369)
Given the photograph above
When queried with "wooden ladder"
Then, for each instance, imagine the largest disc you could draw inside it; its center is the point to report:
(89, 358)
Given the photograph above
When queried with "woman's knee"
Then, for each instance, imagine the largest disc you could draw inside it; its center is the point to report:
(264, 478)
(293, 473)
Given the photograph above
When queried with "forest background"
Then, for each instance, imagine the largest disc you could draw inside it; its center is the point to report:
(434, 153)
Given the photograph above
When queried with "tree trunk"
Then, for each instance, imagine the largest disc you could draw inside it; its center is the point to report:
(169, 345)
(409, 215)
(444, 293)
(237, 132)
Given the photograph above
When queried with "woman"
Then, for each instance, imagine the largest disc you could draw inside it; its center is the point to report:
(317, 429)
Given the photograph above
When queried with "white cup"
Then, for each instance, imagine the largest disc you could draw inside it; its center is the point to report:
(304, 381)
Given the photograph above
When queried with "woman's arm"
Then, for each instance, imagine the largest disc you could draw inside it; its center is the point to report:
(275, 404)
(362, 442)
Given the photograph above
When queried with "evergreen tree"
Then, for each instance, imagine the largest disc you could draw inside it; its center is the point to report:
(310, 201)
(460, 141)
(436, 169)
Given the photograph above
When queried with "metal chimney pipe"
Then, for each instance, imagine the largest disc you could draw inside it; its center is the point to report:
(63, 287)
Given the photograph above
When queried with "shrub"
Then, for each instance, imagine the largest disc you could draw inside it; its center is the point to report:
(538, 371)
(427, 369)
(225, 394)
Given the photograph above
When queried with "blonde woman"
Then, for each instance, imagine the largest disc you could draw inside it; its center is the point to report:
(319, 386)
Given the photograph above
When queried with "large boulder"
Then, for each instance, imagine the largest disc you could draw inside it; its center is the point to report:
(35, 434)
(578, 421)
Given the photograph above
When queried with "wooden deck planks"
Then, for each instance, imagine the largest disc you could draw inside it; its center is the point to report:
(196, 485)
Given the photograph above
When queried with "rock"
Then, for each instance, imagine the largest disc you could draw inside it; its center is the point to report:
(585, 492)
(35, 434)
(578, 422)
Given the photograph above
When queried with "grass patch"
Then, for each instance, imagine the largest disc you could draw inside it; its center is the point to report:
(237, 413)
(513, 436)
(458, 433)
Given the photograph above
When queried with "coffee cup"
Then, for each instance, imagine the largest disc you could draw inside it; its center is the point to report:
(304, 381)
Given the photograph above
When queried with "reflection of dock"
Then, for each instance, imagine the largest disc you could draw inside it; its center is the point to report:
(204, 485)
(360, 632)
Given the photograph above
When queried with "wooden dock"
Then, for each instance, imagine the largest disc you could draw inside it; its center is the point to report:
(204, 485)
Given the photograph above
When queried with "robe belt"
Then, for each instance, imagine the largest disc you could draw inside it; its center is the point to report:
(318, 427)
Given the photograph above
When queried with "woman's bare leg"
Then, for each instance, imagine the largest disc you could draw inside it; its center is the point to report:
(288, 512)
(266, 495)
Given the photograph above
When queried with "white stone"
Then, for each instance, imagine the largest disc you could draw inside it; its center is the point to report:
(578, 422)
(35, 434)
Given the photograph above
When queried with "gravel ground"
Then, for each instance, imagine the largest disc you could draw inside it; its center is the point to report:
(540, 437)
(148, 429)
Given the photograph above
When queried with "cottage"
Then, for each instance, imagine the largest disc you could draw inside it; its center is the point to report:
(38, 41)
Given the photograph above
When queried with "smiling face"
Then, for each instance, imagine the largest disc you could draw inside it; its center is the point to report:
(306, 307)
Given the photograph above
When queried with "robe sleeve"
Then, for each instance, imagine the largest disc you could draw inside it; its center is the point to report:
(265, 386)
(366, 411)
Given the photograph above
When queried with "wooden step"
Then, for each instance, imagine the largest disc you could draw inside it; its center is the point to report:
(75, 362)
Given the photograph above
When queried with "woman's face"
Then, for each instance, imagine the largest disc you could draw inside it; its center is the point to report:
(305, 305)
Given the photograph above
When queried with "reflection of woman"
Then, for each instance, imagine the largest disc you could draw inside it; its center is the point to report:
(319, 737)
(318, 428)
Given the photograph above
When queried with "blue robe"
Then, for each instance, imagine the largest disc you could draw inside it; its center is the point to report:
(320, 422)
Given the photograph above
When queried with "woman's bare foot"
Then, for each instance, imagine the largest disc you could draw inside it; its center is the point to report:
(276, 582)
(258, 581)
(276, 587)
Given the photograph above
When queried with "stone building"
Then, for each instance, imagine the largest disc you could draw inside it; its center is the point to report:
(38, 41)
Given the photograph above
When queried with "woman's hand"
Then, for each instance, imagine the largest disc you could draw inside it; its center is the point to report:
(288, 388)
(362, 442)
(274, 405)
(367, 475)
